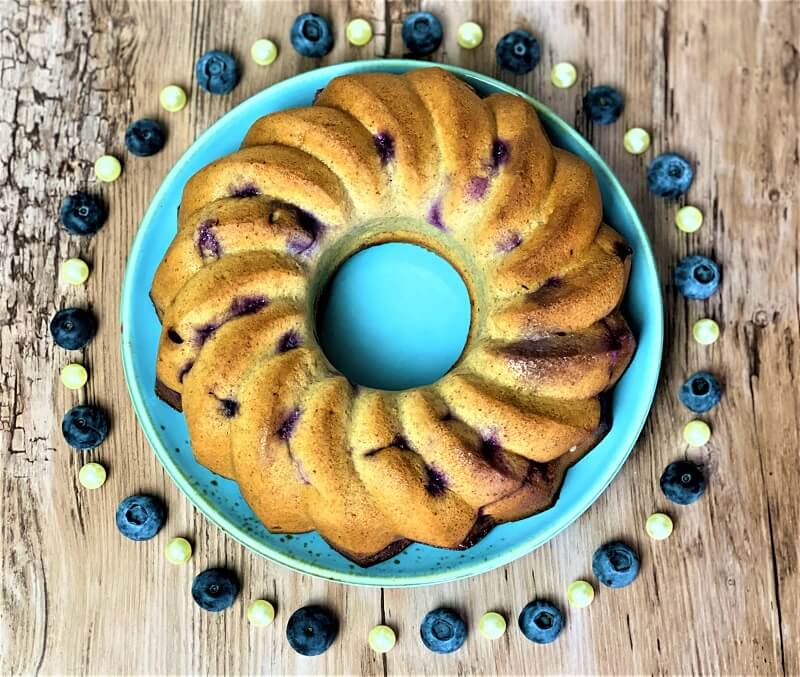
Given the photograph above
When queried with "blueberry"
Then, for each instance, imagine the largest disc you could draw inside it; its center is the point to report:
(217, 72)
(82, 214)
(697, 277)
(443, 631)
(84, 427)
(669, 175)
(311, 630)
(541, 621)
(603, 104)
(518, 52)
(311, 35)
(145, 137)
(683, 482)
(422, 33)
(140, 517)
(215, 589)
(615, 564)
(700, 392)
(73, 328)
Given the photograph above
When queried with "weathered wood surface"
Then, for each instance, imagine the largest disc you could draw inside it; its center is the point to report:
(718, 82)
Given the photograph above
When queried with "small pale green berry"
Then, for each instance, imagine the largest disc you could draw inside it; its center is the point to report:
(264, 52)
(705, 331)
(74, 271)
(260, 613)
(696, 433)
(469, 35)
(74, 376)
(689, 219)
(359, 32)
(636, 140)
(658, 526)
(172, 98)
(492, 625)
(107, 168)
(580, 594)
(92, 475)
(381, 638)
(563, 75)
(178, 551)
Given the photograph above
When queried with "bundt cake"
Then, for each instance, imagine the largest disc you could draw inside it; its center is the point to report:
(417, 158)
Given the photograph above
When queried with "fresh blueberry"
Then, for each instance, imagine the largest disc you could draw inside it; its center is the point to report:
(541, 621)
(669, 175)
(145, 137)
(683, 482)
(82, 214)
(700, 392)
(311, 630)
(518, 52)
(217, 72)
(311, 35)
(615, 564)
(215, 589)
(696, 277)
(422, 33)
(140, 517)
(73, 328)
(603, 104)
(443, 631)
(84, 427)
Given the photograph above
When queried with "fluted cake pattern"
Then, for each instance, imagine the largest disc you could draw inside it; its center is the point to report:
(378, 157)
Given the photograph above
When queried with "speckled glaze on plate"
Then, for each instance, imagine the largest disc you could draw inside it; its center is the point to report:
(219, 499)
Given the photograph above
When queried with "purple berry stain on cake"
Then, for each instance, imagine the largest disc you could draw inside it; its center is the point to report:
(228, 407)
(477, 187)
(286, 428)
(435, 215)
(492, 452)
(301, 473)
(289, 341)
(613, 339)
(245, 190)
(207, 242)
(500, 154)
(616, 339)
(510, 242)
(490, 448)
(309, 223)
(247, 305)
(205, 332)
(401, 442)
(435, 481)
(384, 144)
(311, 226)
(243, 305)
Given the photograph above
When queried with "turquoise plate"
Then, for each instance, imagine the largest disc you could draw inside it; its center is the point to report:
(220, 500)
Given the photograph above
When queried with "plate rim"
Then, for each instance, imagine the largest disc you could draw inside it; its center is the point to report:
(362, 577)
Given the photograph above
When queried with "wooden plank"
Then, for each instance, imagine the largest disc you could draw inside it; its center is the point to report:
(716, 82)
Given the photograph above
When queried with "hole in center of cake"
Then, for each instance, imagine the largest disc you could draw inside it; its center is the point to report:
(394, 316)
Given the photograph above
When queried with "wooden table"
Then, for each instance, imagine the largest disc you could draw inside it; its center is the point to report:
(717, 82)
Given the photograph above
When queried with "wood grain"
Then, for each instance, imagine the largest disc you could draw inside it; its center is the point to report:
(716, 81)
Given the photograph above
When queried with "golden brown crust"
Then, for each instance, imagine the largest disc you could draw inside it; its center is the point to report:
(382, 157)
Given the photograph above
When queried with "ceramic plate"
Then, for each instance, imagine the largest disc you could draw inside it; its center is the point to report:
(219, 499)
